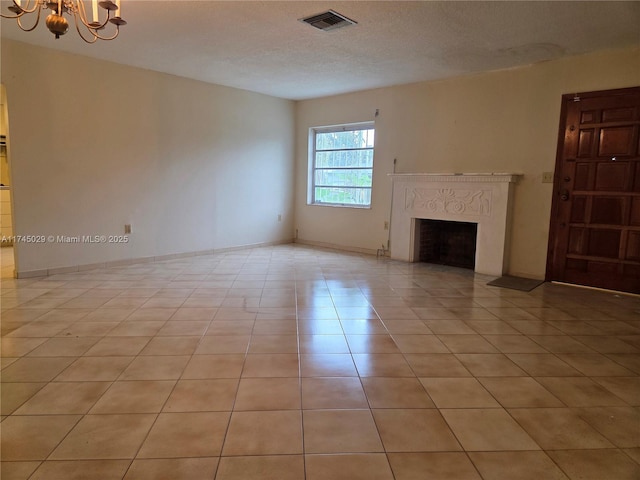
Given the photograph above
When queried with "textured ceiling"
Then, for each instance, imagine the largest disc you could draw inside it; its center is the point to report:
(261, 45)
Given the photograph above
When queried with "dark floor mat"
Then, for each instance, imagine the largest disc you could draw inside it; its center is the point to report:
(516, 283)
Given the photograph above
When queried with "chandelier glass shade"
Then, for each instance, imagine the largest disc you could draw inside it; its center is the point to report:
(104, 24)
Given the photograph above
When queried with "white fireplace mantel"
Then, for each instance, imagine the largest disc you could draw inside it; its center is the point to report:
(481, 198)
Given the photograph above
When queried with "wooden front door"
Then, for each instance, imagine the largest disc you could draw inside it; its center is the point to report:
(594, 234)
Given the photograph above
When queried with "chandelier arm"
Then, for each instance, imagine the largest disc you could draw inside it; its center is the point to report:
(36, 4)
(117, 32)
(82, 14)
(93, 29)
(24, 9)
(93, 32)
(18, 19)
(77, 24)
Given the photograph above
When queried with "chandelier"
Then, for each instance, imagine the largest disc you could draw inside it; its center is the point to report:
(89, 31)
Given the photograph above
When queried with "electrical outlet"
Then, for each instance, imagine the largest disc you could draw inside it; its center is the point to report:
(386, 225)
(127, 228)
(279, 217)
(547, 177)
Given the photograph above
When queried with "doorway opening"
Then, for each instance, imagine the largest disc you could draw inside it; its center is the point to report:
(7, 257)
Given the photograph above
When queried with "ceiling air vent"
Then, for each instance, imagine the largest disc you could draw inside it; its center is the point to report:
(328, 21)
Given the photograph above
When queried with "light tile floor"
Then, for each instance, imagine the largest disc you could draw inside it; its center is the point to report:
(295, 363)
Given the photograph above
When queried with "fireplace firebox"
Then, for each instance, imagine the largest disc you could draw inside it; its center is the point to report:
(448, 243)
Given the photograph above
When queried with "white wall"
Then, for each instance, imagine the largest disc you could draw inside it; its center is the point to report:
(503, 121)
(95, 145)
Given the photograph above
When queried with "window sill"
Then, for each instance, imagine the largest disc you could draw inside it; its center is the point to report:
(340, 205)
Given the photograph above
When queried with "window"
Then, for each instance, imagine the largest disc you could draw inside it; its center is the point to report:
(342, 165)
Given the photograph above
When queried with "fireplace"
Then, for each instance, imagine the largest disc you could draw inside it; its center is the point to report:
(447, 243)
(481, 199)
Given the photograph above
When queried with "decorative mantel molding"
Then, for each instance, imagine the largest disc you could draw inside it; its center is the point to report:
(459, 177)
(447, 200)
(482, 198)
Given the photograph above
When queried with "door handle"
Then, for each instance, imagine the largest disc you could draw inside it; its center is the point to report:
(564, 195)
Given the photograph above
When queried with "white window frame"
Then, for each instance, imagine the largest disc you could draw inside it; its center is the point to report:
(311, 200)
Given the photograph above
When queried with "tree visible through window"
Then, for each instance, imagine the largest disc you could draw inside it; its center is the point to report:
(342, 165)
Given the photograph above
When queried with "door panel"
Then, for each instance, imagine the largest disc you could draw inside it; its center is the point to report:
(614, 114)
(594, 234)
(633, 246)
(611, 176)
(616, 141)
(635, 212)
(585, 145)
(583, 178)
(607, 210)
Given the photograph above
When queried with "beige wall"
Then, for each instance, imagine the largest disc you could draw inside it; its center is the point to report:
(96, 145)
(194, 166)
(503, 121)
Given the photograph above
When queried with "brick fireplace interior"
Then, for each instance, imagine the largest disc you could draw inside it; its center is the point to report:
(448, 243)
